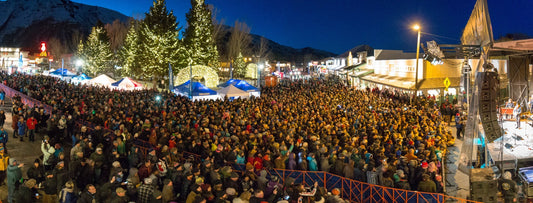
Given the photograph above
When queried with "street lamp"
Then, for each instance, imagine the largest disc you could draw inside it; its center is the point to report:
(417, 28)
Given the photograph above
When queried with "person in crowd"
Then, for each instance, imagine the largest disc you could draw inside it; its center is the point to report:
(508, 187)
(48, 153)
(89, 195)
(358, 126)
(26, 192)
(31, 124)
(21, 128)
(516, 113)
(36, 171)
(427, 185)
(4, 137)
(14, 175)
(2, 118)
(50, 188)
(4, 163)
(68, 193)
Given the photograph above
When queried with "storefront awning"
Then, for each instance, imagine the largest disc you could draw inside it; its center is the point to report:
(392, 81)
(438, 83)
(361, 73)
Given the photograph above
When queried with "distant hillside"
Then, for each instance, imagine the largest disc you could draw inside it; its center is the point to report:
(25, 23)
(369, 50)
(278, 52)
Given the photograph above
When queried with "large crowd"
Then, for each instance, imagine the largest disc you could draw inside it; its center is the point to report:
(368, 135)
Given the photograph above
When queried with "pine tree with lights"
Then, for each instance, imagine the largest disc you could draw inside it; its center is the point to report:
(239, 66)
(159, 44)
(130, 51)
(198, 37)
(96, 53)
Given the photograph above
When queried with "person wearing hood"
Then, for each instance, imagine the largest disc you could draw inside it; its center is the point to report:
(312, 162)
(14, 174)
(262, 180)
(292, 161)
(168, 191)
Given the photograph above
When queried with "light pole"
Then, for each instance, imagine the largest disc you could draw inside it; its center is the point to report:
(417, 28)
(259, 69)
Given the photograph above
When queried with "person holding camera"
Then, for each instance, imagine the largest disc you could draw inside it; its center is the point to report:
(48, 151)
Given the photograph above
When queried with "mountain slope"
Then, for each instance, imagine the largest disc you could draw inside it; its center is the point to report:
(277, 51)
(24, 23)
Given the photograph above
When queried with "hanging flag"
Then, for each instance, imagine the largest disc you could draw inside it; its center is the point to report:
(478, 29)
(170, 77)
(20, 61)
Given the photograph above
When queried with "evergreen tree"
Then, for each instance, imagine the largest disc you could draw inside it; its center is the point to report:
(96, 52)
(129, 53)
(198, 36)
(239, 66)
(159, 43)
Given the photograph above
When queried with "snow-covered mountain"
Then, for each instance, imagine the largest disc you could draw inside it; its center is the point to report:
(25, 23)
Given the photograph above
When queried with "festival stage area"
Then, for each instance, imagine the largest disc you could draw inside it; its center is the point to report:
(517, 143)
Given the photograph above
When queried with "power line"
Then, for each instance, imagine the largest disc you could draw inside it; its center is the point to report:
(440, 36)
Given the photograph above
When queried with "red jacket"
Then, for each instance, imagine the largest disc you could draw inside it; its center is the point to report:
(31, 123)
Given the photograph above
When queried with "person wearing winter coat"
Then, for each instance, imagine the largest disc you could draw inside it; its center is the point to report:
(313, 166)
(89, 195)
(4, 163)
(50, 189)
(25, 192)
(67, 194)
(262, 180)
(21, 128)
(292, 162)
(36, 171)
(14, 174)
(47, 152)
(3, 135)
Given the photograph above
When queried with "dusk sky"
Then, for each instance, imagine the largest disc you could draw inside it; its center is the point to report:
(339, 25)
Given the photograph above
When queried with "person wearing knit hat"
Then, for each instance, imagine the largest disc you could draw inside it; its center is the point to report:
(25, 194)
(14, 174)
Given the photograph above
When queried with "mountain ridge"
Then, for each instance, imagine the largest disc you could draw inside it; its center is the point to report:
(26, 23)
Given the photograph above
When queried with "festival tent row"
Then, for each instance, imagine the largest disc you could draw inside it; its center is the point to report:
(82, 78)
(233, 92)
(62, 72)
(127, 84)
(199, 91)
(243, 85)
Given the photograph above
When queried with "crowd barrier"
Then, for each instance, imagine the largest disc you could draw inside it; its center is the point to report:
(352, 190)
(25, 98)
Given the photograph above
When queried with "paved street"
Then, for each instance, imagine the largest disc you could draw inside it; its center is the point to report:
(24, 152)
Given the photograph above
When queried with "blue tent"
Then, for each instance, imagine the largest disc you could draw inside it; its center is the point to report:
(197, 89)
(241, 84)
(62, 72)
(81, 77)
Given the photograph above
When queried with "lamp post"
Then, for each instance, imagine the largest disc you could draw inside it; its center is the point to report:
(417, 28)
(259, 69)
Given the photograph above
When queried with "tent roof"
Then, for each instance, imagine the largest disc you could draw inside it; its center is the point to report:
(102, 79)
(63, 72)
(127, 83)
(232, 91)
(241, 84)
(198, 89)
(520, 45)
(82, 76)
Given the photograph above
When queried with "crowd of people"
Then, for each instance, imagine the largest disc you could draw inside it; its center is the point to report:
(368, 135)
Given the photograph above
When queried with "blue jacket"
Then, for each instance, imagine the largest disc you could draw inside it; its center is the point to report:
(3, 136)
(21, 128)
(312, 164)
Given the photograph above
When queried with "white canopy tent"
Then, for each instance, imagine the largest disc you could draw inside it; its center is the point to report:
(231, 91)
(101, 80)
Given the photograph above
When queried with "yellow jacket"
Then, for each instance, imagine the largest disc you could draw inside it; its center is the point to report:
(4, 161)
